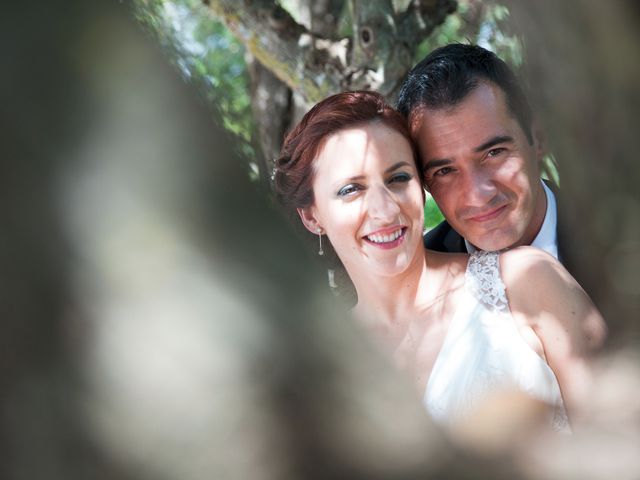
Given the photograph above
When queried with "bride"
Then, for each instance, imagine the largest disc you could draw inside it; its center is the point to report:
(463, 326)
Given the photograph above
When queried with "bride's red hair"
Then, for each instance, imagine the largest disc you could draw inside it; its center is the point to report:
(293, 176)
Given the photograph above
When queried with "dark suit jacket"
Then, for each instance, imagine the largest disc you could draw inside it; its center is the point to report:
(443, 238)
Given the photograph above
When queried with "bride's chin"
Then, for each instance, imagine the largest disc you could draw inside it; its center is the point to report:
(391, 269)
(382, 264)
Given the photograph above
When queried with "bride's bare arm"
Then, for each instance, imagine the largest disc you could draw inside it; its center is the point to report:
(548, 301)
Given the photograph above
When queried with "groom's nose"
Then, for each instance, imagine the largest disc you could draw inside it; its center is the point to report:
(477, 188)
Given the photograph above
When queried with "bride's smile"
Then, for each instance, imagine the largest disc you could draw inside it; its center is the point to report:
(387, 238)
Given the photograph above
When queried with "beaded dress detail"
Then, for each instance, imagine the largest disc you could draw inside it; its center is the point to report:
(483, 352)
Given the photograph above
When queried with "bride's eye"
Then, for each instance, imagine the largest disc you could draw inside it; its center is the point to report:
(348, 190)
(401, 177)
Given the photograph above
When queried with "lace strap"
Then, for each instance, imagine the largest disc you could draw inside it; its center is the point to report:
(483, 281)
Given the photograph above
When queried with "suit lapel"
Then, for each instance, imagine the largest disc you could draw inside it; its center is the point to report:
(453, 242)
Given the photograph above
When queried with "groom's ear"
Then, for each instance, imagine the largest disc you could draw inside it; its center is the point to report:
(308, 217)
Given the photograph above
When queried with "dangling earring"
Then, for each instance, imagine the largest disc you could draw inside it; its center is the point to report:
(320, 250)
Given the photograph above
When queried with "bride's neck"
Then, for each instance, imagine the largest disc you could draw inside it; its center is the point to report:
(390, 299)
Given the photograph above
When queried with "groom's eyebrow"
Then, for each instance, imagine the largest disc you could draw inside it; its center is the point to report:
(492, 142)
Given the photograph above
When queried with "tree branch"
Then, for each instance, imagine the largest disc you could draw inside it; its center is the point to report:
(377, 57)
(421, 17)
(384, 41)
(307, 63)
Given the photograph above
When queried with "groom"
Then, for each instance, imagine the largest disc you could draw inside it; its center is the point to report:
(480, 154)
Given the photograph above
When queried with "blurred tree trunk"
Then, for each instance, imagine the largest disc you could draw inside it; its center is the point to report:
(295, 64)
(583, 63)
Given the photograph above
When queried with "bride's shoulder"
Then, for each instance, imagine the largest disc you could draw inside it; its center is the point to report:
(530, 266)
(544, 296)
(446, 270)
(446, 259)
(451, 265)
(536, 282)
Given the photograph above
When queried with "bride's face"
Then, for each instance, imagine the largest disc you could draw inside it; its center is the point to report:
(368, 199)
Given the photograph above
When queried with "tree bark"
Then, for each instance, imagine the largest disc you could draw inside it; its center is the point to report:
(580, 61)
(271, 104)
(311, 62)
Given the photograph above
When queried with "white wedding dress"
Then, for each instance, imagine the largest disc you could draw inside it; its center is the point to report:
(483, 352)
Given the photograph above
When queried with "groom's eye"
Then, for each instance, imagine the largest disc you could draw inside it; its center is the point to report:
(494, 152)
(442, 171)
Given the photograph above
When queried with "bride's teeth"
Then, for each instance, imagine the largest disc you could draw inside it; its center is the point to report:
(385, 238)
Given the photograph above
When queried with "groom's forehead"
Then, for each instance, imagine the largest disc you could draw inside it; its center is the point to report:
(481, 115)
(485, 94)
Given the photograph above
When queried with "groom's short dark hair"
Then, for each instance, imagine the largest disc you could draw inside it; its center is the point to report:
(448, 74)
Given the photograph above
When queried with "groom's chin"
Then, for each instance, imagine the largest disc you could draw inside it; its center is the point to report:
(493, 240)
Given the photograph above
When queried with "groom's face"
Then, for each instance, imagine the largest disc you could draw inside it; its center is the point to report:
(481, 169)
